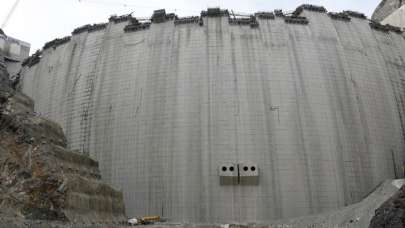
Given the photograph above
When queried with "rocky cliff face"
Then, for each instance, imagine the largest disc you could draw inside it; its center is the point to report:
(4, 78)
(40, 179)
(391, 213)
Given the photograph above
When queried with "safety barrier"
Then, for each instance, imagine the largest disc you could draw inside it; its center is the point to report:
(188, 20)
(160, 16)
(33, 59)
(394, 29)
(119, 19)
(296, 20)
(265, 15)
(339, 16)
(379, 27)
(309, 7)
(214, 12)
(279, 13)
(89, 28)
(97, 27)
(385, 28)
(355, 14)
(240, 21)
(171, 16)
(251, 21)
(81, 29)
(254, 24)
(137, 27)
(56, 42)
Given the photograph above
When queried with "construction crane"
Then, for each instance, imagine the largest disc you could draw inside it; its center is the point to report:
(10, 13)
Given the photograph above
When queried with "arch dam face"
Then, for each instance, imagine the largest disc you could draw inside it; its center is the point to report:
(314, 102)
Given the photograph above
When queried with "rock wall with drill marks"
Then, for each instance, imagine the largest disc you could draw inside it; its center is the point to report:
(318, 107)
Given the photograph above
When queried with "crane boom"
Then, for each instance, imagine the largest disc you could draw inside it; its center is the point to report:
(10, 14)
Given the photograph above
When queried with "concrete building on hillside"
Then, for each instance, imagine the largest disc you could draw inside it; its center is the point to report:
(223, 117)
(391, 12)
(15, 52)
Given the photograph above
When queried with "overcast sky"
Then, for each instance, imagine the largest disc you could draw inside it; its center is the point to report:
(39, 21)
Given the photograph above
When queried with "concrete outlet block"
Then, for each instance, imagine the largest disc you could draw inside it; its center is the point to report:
(248, 173)
(228, 174)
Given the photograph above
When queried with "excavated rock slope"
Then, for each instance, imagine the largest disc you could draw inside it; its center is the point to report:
(391, 213)
(40, 179)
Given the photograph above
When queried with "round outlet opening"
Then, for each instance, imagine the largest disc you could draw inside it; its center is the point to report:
(224, 169)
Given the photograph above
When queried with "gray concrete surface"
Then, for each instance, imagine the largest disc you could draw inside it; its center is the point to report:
(385, 8)
(397, 18)
(391, 12)
(15, 51)
(357, 215)
(353, 216)
(318, 107)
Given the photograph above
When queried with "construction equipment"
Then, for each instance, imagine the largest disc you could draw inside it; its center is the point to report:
(148, 220)
(10, 13)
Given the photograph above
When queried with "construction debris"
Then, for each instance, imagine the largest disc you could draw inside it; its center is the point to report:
(149, 220)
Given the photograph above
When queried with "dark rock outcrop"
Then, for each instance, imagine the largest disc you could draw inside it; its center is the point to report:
(5, 82)
(392, 213)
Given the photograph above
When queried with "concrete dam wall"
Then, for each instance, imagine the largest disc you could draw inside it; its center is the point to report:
(391, 12)
(224, 118)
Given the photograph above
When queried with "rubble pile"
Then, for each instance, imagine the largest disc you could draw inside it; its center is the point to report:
(40, 179)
